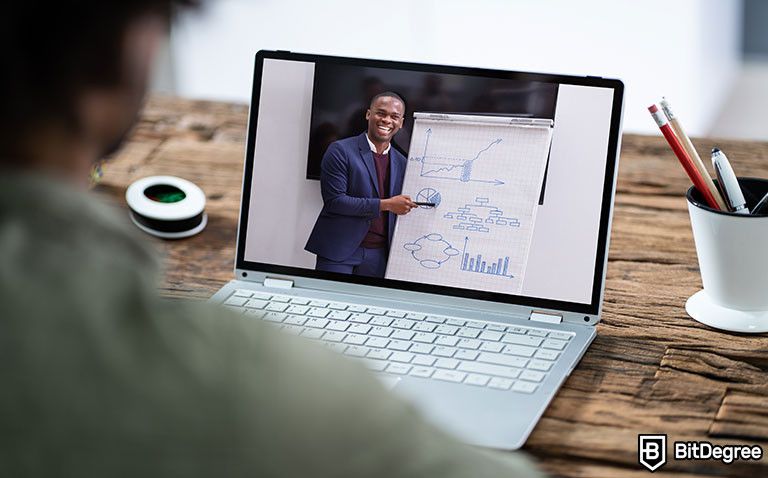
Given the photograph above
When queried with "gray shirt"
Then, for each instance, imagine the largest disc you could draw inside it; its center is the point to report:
(102, 377)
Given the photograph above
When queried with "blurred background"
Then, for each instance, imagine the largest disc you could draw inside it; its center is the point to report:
(708, 57)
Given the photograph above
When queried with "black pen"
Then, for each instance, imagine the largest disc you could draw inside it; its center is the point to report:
(426, 204)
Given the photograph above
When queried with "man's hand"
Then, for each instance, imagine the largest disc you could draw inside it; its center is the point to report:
(399, 205)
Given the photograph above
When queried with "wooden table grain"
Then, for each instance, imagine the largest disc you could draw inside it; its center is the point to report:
(651, 369)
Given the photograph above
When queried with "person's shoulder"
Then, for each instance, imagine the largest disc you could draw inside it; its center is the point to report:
(347, 144)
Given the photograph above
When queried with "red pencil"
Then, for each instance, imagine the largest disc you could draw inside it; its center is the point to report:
(682, 156)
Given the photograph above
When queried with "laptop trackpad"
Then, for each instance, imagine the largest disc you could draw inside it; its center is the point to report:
(389, 381)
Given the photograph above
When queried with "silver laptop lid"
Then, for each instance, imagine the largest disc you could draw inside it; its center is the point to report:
(517, 171)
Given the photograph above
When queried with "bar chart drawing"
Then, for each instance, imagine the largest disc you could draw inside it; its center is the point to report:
(476, 263)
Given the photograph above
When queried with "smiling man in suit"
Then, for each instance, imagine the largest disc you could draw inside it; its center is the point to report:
(361, 181)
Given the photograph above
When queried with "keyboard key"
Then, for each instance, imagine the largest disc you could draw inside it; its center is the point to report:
(424, 337)
(236, 301)
(446, 329)
(424, 327)
(448, 341)
(488, 369)
(293, 329)
(317, 323)
(360, 318)
(545, 354)
(522, 340)
(468, 333)
(491, 335)
(357, 308)
(384, 321)
(500, 383)
(554, 344)
(356, 351)
(524, 387)
(295, 320)
(297, 309)
(435, 319)
(355, 339)
(333, 336)
(337, 325)
(243, 293)
(336, 347)
(399, 345)
(520, 350)
(560, 335)
(532, 376)
(377, 342)
(376, 311)
(441, 351)
(256, 304)
(424, 360)
(543, 365)
(276, 307)
(495, 347)
(473, 344)
(415, 316)
(475, 324)
(466, 355)
(257, 313)
(447, 363)
(280, 298)
(318, 303)
(337, 306)
(404, 357)
(359, 328)
(403, 324)
(517, 330)
(499, 359)
(396, 313)
(375, 365)
(339, 315)
(449, 375)
(380, 354)
(457, 322)
(496, 327)
(475, 379)
(398, 368)
(275, 316)
(537, 332)
(236, 310)
(313, 333)
(421, 348)
(420, 371)
(318, 312)
(381, 331)
(299, 301)
(402, 335)
(261, 296)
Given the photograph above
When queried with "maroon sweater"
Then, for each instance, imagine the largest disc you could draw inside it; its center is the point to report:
(377, 236)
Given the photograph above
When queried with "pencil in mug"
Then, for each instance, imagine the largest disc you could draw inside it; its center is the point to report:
(685, 141)
(682, 156)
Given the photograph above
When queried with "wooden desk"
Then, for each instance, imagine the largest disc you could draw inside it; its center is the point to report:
(651, 369)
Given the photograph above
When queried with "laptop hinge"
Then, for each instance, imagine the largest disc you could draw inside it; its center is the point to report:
(546, 317)
(278, 283)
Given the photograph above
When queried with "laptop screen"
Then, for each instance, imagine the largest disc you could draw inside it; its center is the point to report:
(467, 182)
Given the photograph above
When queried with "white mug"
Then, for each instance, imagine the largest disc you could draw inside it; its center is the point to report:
(733, 260)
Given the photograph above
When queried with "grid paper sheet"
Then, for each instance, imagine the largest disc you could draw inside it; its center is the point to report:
(484, 173)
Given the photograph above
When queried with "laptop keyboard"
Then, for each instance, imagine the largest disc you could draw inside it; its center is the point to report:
(400, 342)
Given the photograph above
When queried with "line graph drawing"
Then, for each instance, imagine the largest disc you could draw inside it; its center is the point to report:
(429, 195)
(457, 169)
(477, 264)
(480, 216)
(431, 250)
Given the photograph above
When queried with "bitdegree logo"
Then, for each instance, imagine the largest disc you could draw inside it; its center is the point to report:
(704, 450)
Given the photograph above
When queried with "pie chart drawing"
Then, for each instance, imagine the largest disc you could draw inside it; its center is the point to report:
(428, 195)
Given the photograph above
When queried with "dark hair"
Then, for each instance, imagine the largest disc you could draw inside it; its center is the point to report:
(53, 51)
(388, 94)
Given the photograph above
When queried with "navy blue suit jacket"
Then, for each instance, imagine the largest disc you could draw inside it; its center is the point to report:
(351, 197)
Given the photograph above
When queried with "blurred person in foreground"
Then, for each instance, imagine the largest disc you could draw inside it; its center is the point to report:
(101, 377)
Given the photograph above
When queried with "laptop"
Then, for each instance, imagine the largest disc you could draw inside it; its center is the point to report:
(484, 297)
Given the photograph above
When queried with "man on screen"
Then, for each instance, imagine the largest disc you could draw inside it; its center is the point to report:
(361, 179)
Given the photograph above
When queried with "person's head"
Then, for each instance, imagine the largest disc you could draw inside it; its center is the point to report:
(75, 74)
(385, 116)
